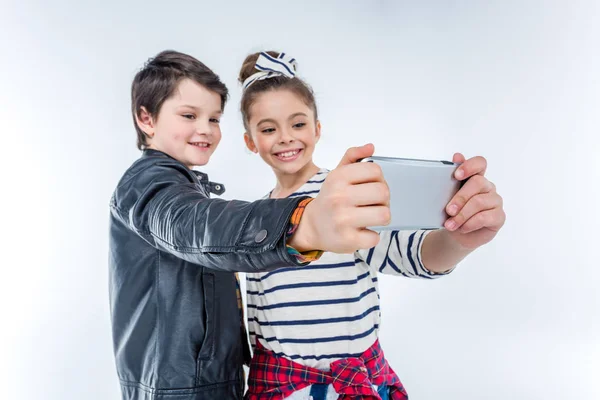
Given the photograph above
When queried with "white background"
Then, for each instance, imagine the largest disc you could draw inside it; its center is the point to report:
(515, 81)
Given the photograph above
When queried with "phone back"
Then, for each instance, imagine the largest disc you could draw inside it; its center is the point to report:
(419, 191)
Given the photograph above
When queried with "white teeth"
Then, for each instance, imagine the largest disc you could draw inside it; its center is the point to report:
(288, 154)
(200, 144)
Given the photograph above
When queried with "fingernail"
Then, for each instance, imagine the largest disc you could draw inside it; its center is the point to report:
(450, 225)
(459, 173)
(452, 209)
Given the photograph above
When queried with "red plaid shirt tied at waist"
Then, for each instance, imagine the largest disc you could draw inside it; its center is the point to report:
(275, 377)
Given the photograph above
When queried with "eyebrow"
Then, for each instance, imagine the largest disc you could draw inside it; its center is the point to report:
(274, 122)
(196, 108)
(297, 114)
(262, 121)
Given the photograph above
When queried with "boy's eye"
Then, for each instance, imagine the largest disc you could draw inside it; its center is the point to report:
(268, 130)
(299, 125)
(189, 116)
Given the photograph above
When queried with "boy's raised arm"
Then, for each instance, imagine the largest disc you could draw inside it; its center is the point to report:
(166, 209)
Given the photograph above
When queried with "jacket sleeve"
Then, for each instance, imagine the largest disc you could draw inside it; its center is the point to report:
(174, 214)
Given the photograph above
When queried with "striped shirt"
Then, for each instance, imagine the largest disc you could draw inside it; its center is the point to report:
(329, 309)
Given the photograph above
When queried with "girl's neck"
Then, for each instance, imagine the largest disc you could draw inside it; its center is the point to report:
(289, 183)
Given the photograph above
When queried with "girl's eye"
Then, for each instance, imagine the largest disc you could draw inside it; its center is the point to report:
(215, 120)
(268, 130)
(299, 125)
(189, 116)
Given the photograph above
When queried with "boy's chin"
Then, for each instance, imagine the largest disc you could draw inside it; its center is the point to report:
(199, 160)
(199, 163)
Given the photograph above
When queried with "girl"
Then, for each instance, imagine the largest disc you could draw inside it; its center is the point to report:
(314, 330)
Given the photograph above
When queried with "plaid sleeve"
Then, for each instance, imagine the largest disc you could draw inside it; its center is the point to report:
(307, 256)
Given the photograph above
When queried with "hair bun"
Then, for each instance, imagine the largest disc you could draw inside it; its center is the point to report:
(248, 65)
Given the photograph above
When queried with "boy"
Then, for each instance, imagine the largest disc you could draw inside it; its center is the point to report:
(176, 319)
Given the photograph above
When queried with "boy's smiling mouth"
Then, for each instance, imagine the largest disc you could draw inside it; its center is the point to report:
(201, 145)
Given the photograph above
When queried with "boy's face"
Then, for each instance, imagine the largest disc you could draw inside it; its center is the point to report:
(283, 130)
(187, 126)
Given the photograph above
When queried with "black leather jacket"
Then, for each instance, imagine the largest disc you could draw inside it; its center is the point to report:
(176, 324)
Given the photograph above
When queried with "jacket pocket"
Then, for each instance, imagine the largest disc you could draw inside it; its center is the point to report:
(207, 350)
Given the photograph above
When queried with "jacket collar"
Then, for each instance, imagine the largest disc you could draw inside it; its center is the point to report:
(213, 187)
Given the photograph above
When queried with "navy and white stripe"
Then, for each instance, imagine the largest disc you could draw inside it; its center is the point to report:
(329, 309)
(269, 66)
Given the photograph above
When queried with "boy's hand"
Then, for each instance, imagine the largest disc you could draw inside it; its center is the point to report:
(476, 210)
(353, 197)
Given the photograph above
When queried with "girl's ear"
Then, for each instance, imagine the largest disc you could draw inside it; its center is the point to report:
(318, 131)
(250, 143)
(145, 121)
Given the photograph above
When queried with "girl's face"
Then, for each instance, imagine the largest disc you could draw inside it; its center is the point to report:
(283, 130)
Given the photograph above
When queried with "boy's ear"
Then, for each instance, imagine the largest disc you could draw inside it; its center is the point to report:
(318, 131)
(145, 122)
(250, 143)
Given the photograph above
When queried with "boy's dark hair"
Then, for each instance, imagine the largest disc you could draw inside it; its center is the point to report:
(295, 85)
(158, 80)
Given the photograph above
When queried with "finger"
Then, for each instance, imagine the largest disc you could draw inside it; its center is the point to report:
(366, 239)
(473, 166)
(490, 219)
(367, 194)
(475, 185)
(475, 205)
(365, 217)
(353, 154)
(361, 173)
(458, 158)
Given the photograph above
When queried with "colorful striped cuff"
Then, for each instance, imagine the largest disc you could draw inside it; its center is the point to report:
(306, 256)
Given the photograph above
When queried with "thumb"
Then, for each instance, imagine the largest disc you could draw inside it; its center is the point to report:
(353, 154)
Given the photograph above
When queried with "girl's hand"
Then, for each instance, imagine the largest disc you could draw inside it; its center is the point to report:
(476, 213)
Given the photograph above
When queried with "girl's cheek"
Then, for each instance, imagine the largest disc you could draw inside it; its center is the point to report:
(264, 147)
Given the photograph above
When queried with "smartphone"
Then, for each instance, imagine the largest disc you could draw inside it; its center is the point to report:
(420, 190)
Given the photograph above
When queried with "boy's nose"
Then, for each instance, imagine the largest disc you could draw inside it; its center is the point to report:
(204, 128)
